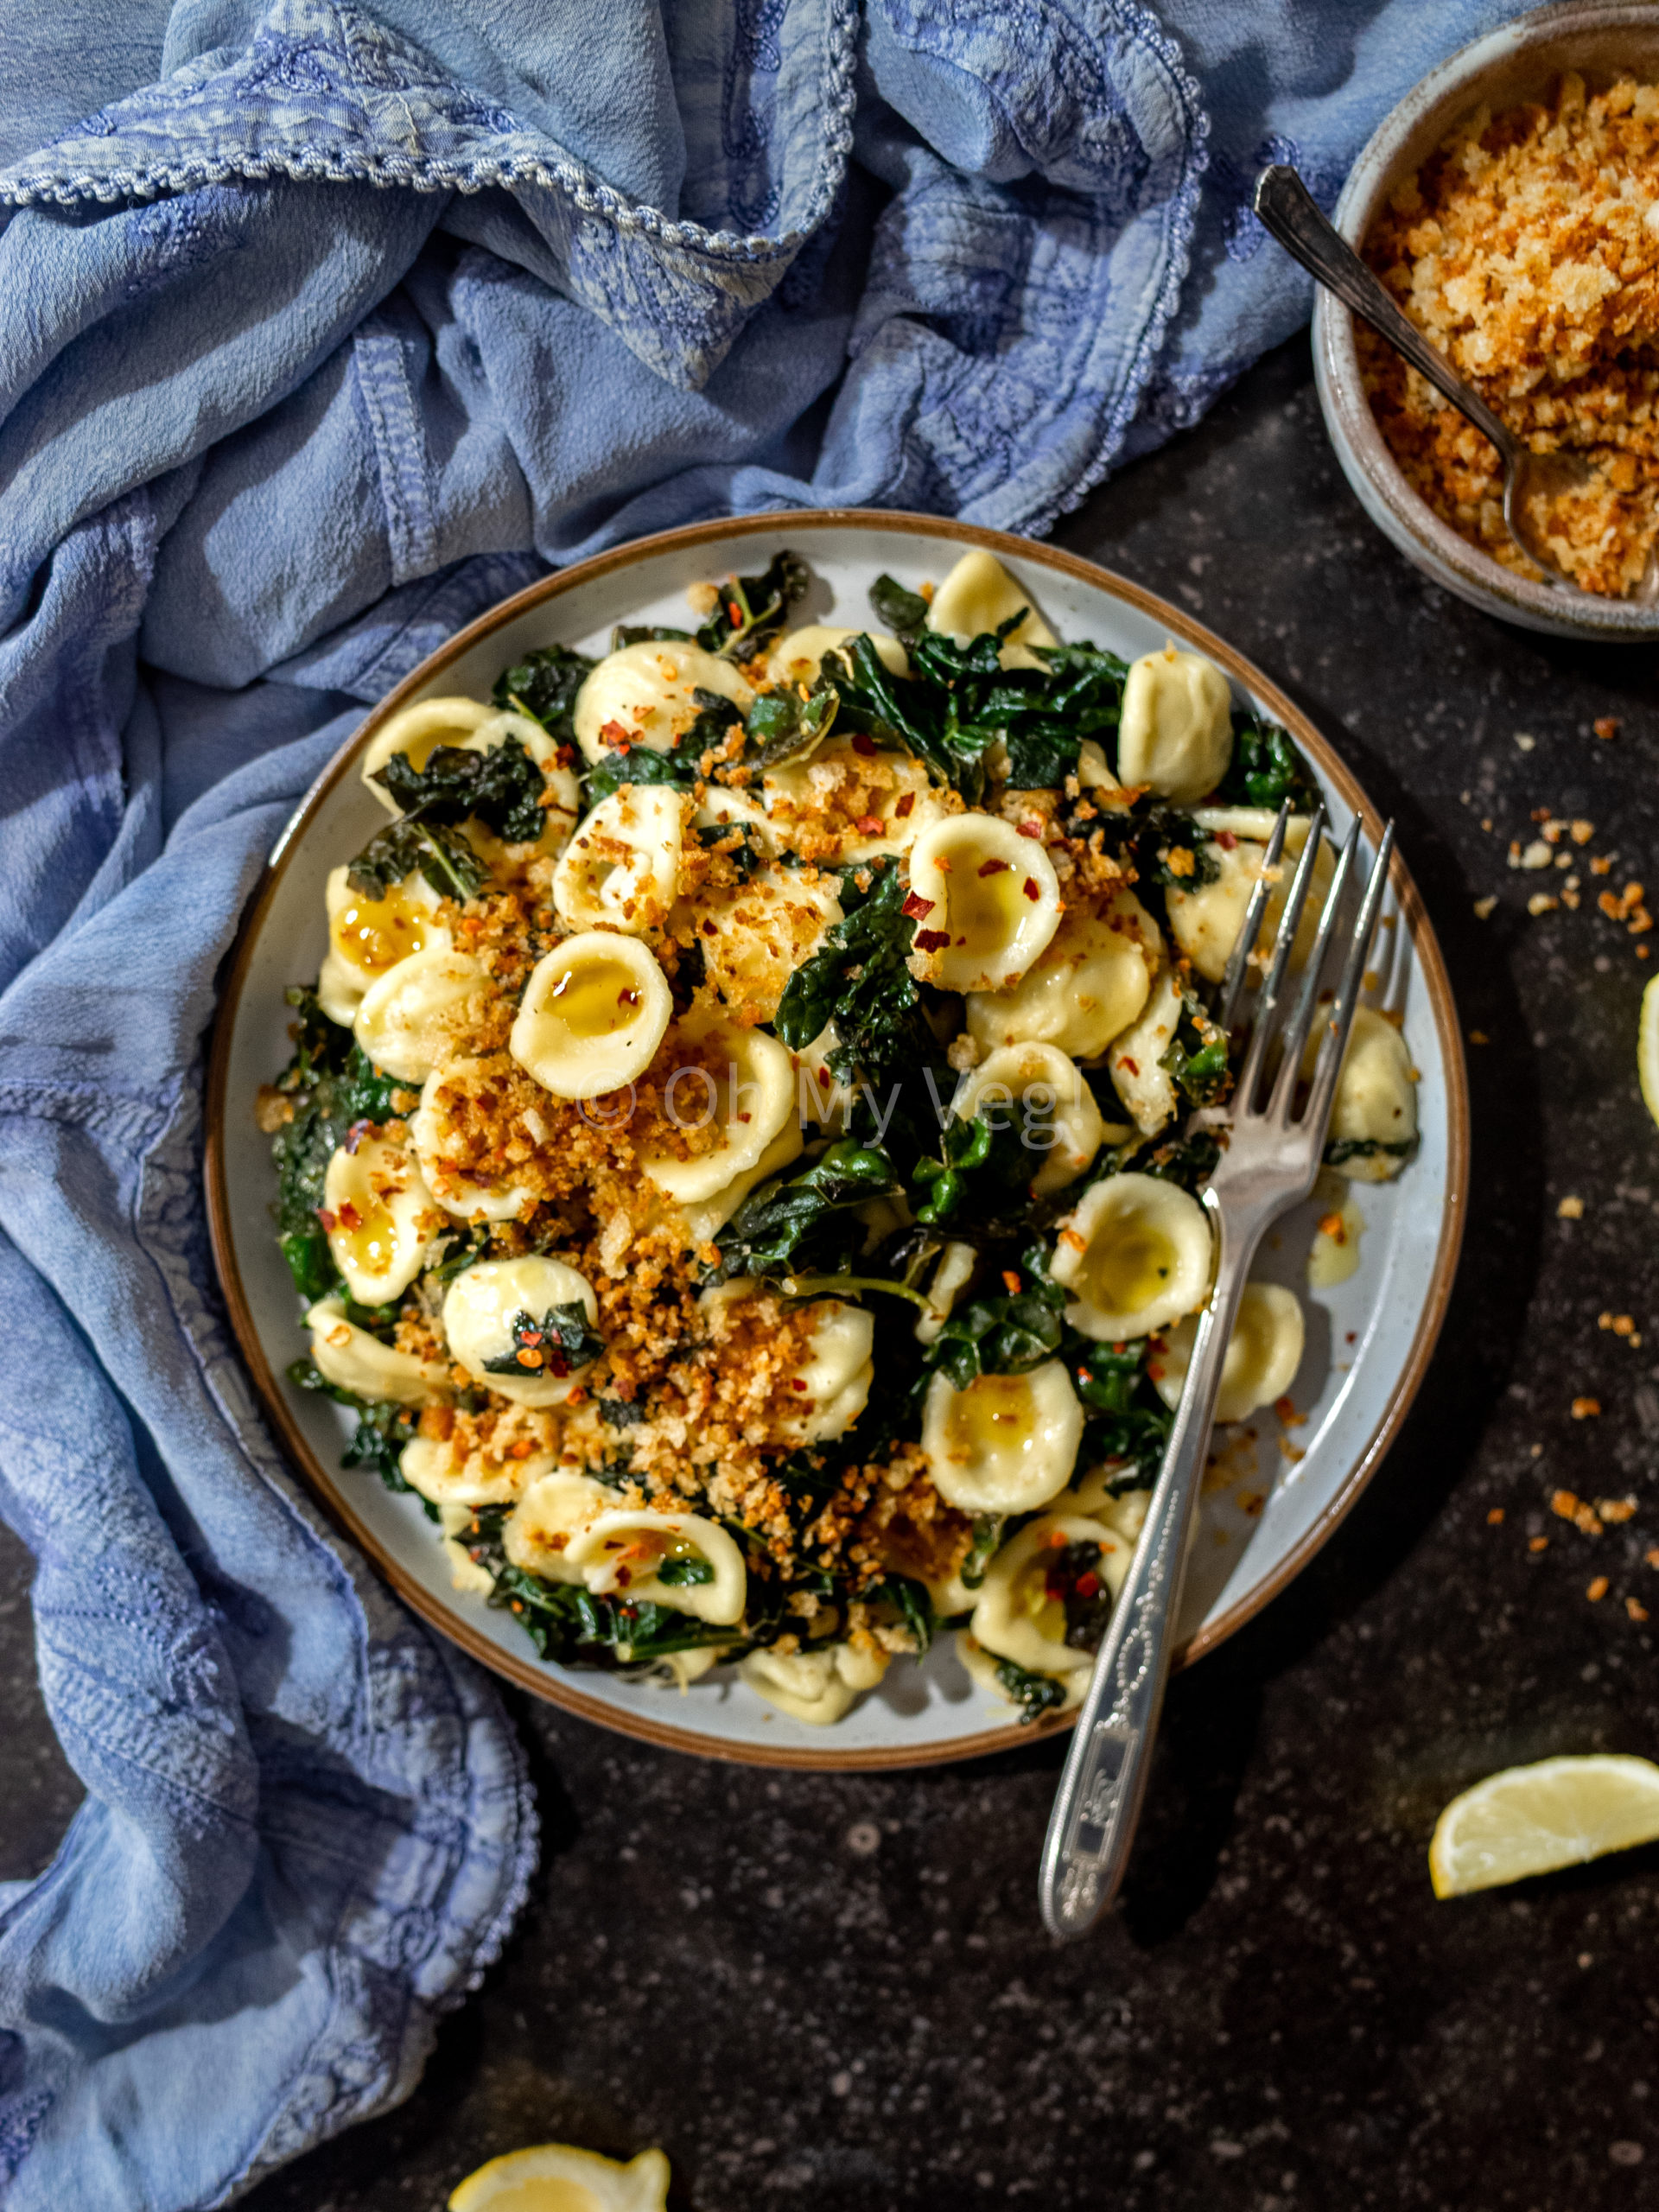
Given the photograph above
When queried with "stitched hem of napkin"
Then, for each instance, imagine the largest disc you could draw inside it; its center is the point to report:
(29, 185)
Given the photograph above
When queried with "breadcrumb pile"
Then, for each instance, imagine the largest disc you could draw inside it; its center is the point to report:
(1528, 250)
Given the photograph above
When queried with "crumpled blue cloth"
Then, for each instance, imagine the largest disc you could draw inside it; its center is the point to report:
(325, 327)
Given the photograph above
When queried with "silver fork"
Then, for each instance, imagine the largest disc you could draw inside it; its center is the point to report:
(1269, 1160)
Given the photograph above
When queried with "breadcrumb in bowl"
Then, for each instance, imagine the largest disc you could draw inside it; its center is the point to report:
(1505, 201)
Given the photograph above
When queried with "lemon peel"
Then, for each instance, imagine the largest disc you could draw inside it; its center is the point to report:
(1534, 1820)
(558, 2177)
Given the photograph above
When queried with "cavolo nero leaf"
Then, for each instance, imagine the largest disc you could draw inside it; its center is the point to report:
(383, 1429)
(861, 980)
(905, 613)
(543, 685)
(806, 1223)
(680, 766)
(557, 1344)
(1266, 768)
(502, 788)
(752, 610)
(330, 1084)
(439, 851)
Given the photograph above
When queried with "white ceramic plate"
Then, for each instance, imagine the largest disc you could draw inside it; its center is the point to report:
(1270, 1506)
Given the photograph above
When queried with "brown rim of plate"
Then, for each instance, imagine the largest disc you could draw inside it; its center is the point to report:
(553, 1684)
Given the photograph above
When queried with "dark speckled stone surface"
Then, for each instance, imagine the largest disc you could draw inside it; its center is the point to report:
(834, 1995)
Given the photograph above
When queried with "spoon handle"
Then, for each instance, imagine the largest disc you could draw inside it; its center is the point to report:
(1289, 209)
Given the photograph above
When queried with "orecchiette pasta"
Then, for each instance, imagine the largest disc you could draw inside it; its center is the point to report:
(1006, 1444)
(1264, 1353)
(407, 1022)
(798, 657)
(368, 937)
(1135, 1255)
(833, 1384)
(1021, 1616)
(1373, 1116)
(433, 1131)
(754, 937)
(552, 1510)
(480, 1309)
(1175, 730)
(819, 1686)
(1085, 988)
(620, 870)
(979, 594)
(987, 902)
(417, 731)
(593, 1012)
(741, 1086)
(351, 1359)
(1036, 1090)
(896, 801)
(379, 1217)
(645, 695)
(1205, 922)
(677, 1559)
(1135, 1058)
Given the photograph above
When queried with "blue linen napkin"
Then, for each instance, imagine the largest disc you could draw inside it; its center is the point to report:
(342, 328)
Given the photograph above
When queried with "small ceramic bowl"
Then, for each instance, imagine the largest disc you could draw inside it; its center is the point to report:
(1600, 39)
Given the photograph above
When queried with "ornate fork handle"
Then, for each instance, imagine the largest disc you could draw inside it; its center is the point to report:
(1098, 1802)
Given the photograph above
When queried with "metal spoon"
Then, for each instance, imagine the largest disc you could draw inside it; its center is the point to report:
(1532, 481)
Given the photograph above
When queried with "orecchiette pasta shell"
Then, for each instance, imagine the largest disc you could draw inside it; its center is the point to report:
(1036, 1090)
(834, 1382)
(897, 799)
(1377, 1095)
(351, 1359)
(417, 731)
(646, 691)
(992, 900)
(621, 869)
(1135, 1059)
(982, 1665)
(1205, 922)
(704, 1220)
(432, 1129)
(1262, 1356)
(440, 1474)
(754, 935)
(1086, 987)
(479, 1310)
(368, 937)
(622, 1554)
(798, 657)
(951, 1277)
(749, 1095)
(1013, 1619)
(379, 1217)
(1006, 1444)
(819, 1686)
(979, 594)
(554, 1510)
(410, 1020)
(1175, 730)
(593, 1012)
(1135, 1256)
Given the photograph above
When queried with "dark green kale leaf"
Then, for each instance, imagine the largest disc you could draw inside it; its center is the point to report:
(558, 1344)
(647, 634)
(782, 724)
(1345, 1149)
(502, 788)
(681, 766)
(543, 685)
(383, 1430)
(862, 982)
(679, 1573)
(732, 840)
(904, 612)
(987, 1541)
(1006, 1335)
(1266, 768)
(983, 1172)
(753, 609)
(332, 1085)
(1107, 1376)
(440, 852)
(1072, 1579)
(910, 1600)
(1160, 842)
(805, 1224)
(1195, 1058)
(1048, 717)
(1035, 1694)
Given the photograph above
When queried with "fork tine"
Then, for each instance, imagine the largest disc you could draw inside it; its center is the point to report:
(1238, 960)
(1266, 1003)
(1297, 1028)
(1335, 1041)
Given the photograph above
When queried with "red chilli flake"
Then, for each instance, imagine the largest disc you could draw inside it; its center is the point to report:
(1031, 830)
(1132, 1066)
(931, 940)
(994, 867)
(901, 812)
(1032, 891)
(349, 1215)
(330, 1221)
(870, 825)
(614, 734)
(917, 907)
(1226, 840)
(864, 744)
(1088, 1584)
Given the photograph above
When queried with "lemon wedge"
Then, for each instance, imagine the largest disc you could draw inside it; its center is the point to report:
(1647, 1046)
(1530, 1820)
(554, 2178)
